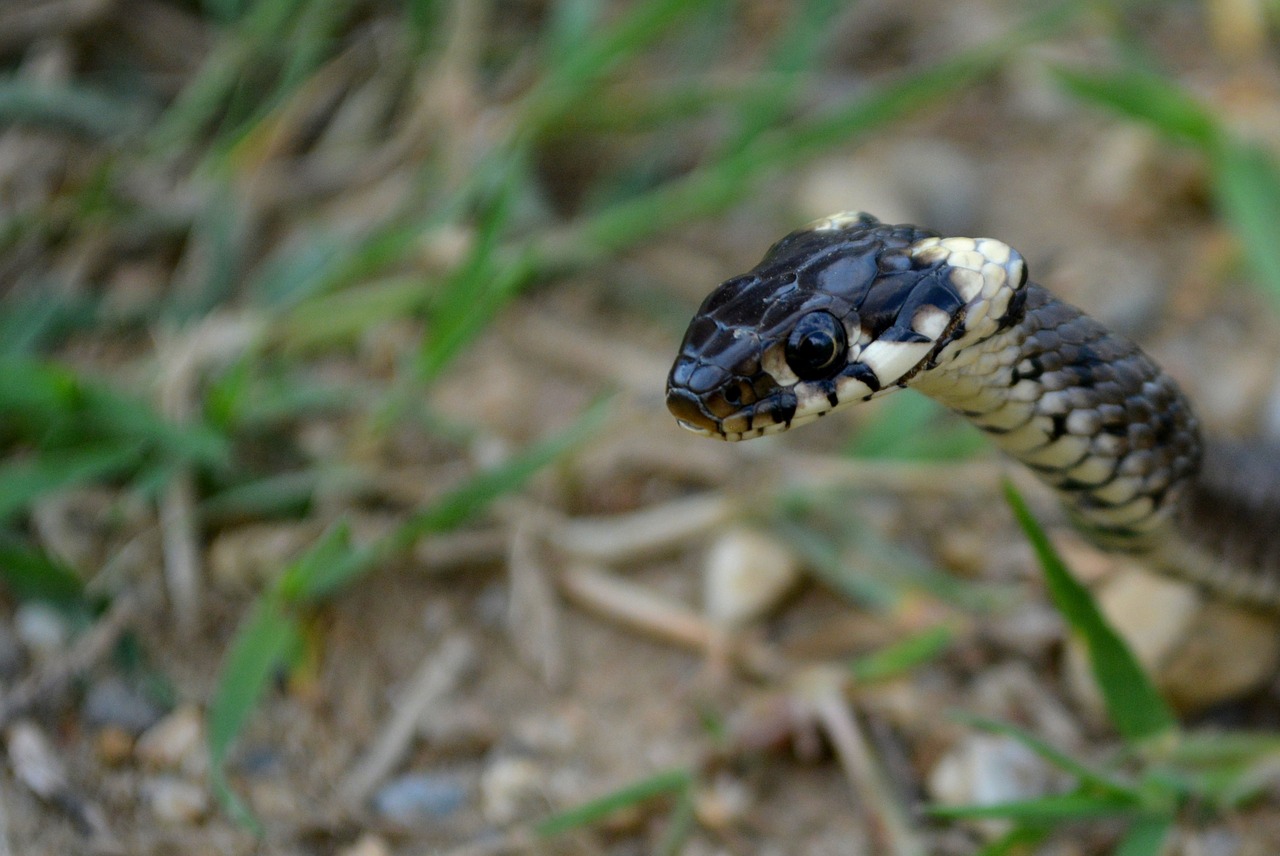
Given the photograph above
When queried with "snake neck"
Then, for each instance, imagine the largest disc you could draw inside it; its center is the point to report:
(1086, 410)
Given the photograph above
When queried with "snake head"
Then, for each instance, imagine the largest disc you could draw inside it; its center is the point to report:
(840, 311)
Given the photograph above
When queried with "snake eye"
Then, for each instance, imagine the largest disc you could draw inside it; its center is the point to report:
(816, 347)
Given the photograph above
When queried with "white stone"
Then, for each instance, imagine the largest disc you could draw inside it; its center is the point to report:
(745, 575)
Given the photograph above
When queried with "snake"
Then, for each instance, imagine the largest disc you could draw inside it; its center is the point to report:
(847, 309)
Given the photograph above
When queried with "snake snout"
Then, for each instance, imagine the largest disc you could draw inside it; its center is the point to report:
(687, 408)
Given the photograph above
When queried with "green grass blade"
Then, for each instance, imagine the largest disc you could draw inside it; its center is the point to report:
(574, 75)
(51, 406)
(684, 819)
(1146, 837)
(326, 566)
(1064, 808)
(262, 643)
(32, 574)
(1246, 183)
(1136, 709)
(334, 563)
(1145, 97)
(902, 656)
(72, 108)
(1019, 841)
(715, 186)
(796, 51)
(1085, 775)
(466, 501)
(24, 480)
(667, 782)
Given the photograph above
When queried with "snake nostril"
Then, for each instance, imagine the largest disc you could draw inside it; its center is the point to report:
(733, 395)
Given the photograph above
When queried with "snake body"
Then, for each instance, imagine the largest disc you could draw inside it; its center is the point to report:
(848, 308)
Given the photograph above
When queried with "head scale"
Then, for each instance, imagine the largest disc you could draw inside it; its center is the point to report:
(841, 311)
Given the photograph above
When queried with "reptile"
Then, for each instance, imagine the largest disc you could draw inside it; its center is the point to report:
(847, 309)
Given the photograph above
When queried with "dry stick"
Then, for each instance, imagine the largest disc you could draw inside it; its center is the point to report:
(635, 606)
(438, 676)
(642, 609)
(890, 829)
(625, 537)
(182, 565)
(533, 614)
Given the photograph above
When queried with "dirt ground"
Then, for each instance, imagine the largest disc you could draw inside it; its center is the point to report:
(640, 608)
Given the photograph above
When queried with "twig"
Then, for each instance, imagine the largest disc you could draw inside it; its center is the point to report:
(649, 612)
(438, 676)
(625, 537)
(886, 819)
(182, 566)
(533, 618)
(636, 606)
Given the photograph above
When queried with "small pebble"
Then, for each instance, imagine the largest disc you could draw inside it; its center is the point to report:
(745, 576)
(114, 745)
(985, 769)
(418, 797)
(1192, 649)
(723, 804)
(41, 628)
(367, 845)
(511, 788)
(175, 742)
(176, 801)
(1207, 667)
(112, 702)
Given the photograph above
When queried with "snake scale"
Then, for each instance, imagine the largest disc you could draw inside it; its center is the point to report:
(848, 309)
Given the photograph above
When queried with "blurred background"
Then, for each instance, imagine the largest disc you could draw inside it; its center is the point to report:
(341, 511)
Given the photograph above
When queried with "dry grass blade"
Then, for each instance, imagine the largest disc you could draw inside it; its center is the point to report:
(437, 677)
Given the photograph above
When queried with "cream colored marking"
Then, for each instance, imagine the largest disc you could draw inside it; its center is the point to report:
(1010, 416)
(1085, 423)
(891, 360)
(850, 390)
(1054, 403)
(958, 244)
(774, 362)
(1024, 390)
(835, 222)
(967, 282)
(1107, 445)
(968, 261)
(976, 312)
(997, 251)
(1126, 515)
(930, 321)
(1060, 453)
(1119, 490)
(1092, 470)
(993, 278)
(1030, 436)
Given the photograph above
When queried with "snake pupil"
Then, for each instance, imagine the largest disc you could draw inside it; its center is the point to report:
(816, 346)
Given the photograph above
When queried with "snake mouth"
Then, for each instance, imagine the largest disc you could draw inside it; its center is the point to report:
(771, 415)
